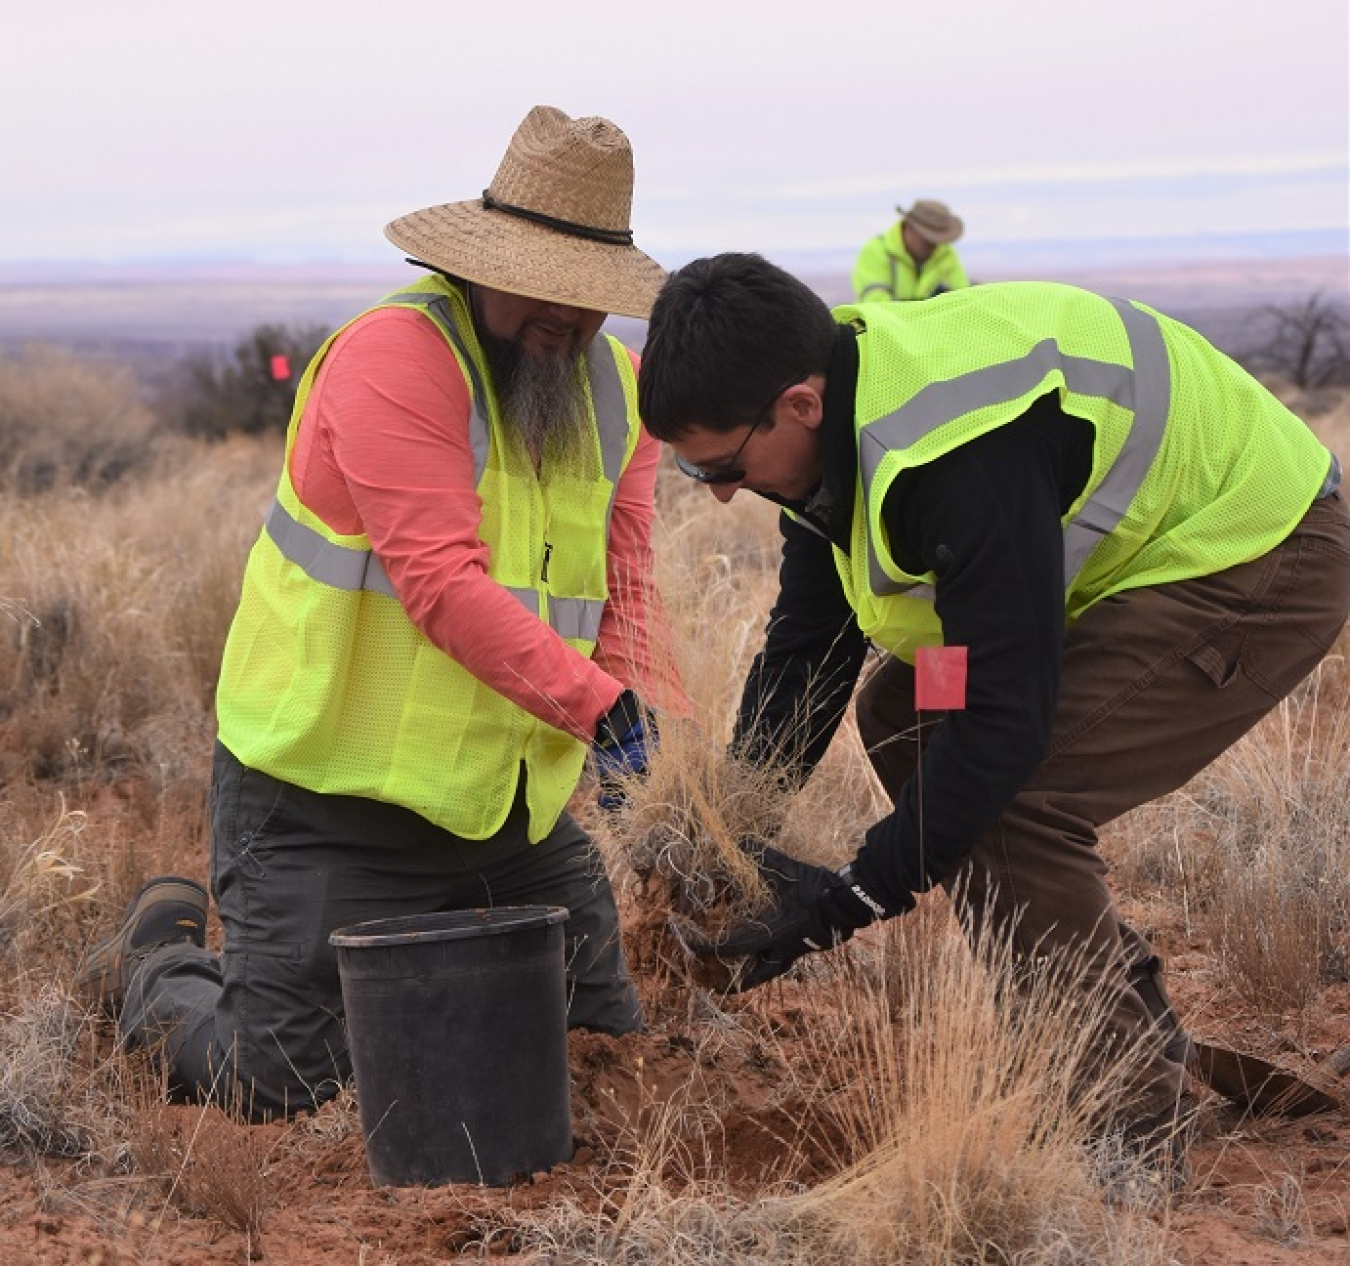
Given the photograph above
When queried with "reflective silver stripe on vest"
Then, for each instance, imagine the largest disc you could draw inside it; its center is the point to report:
(437, 307)
(321, 559)
(575, 617)
(1145, 390)
(1102, 512)
(611, 411)
(528, 598)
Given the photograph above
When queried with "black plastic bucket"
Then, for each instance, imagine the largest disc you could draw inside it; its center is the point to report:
(457, 1025)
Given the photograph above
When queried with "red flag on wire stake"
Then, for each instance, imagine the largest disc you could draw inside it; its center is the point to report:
(940, 678)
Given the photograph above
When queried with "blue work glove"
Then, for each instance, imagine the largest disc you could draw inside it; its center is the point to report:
(623, 739)
(814, 909)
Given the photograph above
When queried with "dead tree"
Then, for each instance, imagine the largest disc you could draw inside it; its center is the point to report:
(1308, 343)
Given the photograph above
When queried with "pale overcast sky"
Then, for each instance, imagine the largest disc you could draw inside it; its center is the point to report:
(293, 130)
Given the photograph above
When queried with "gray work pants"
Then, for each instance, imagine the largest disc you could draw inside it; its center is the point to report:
(1155, 684)
(261, 1025)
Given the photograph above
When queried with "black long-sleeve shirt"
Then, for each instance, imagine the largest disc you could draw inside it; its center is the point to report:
(985, 519)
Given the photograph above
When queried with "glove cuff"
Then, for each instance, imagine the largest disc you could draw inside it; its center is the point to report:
(617, 725)
(864, 873)
(861, 903)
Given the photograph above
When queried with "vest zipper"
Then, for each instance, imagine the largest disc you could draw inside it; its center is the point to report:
(548, 550)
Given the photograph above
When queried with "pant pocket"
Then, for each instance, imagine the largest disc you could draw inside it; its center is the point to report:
(1219, 660)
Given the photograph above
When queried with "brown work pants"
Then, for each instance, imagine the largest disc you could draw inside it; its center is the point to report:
(1155, 683)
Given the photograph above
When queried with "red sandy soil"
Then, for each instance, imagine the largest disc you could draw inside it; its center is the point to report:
(320, 1207)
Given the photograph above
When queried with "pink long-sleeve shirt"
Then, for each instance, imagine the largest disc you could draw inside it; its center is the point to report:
(383, 449)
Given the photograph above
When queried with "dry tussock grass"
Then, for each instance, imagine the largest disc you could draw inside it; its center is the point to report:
(207, 1164)
(991, 1085)
(1282, 1210)
(69, 881)
(57, 1097)
(968, 1115)
(1258, 848)
(1281, 914)
(682, 825)
(40, 878)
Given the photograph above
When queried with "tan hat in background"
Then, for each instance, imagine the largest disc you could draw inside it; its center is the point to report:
(932, 221)
(552, 225)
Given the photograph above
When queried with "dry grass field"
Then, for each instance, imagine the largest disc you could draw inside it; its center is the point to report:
(876, 1107)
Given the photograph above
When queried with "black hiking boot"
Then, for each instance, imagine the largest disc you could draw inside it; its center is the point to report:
(167, 910)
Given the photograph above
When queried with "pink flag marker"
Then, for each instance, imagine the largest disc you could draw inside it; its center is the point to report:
(940, 678)
(281, 368)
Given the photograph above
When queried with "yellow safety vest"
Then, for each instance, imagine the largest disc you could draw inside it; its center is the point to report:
(326, 683)
(886, 271)
(1196, 467)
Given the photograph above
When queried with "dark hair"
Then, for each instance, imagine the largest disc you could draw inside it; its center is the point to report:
(726, 332)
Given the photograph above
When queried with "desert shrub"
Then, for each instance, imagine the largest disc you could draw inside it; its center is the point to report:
(117, 611)
(1307, 342)
(70, 421)
(213, 395)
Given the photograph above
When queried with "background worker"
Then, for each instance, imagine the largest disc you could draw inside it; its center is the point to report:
(1139, 548)
(913, 259)
(444, 614)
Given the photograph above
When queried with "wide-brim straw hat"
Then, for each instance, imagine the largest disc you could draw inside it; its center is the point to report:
(933, 221)
(552, 225)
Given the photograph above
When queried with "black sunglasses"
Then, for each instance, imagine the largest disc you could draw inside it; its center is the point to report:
(729, 472)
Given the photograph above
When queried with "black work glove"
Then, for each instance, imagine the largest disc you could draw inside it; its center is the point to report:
(814, 909)
(624, 739)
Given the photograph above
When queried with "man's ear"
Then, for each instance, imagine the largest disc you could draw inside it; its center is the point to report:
(805, 402)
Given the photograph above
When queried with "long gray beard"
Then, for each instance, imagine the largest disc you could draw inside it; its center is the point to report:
(542, 403)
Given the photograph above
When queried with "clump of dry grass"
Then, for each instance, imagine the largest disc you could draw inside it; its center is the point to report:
(683, 823)
(967, 1113)
(53, 1102)
(1281, 915)
(993, 1082)
(336, 1119)
(690, 826)
(208, 1164)
(40, 877)
(1258, 845)
(1282, 1212)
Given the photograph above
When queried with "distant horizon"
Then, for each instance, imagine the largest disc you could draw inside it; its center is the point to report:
(158, 308)
(980, 255)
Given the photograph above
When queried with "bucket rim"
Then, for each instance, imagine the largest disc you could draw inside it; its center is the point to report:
(446, 925)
